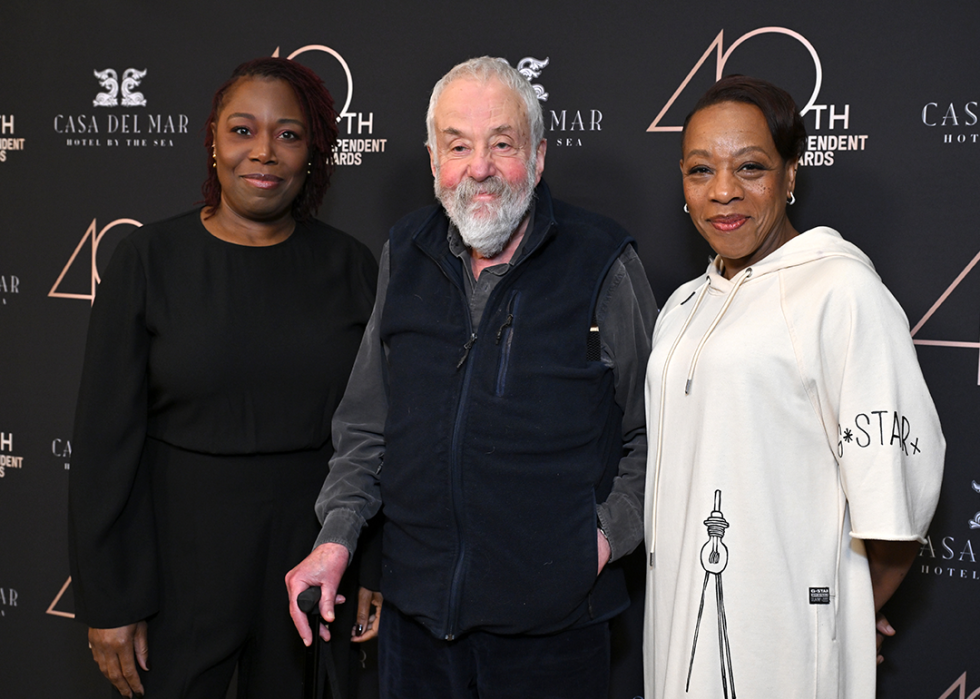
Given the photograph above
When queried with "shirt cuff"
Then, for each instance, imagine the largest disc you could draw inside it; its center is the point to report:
(623, 530)
(341, 527)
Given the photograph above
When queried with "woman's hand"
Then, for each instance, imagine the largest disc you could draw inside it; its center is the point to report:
(114, 651)
(882, 628)
(367, 622)
(888, 562)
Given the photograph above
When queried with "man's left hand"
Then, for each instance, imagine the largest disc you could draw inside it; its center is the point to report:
(604, 550)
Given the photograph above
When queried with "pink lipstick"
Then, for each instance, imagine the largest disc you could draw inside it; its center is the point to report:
(262, 181)
(728, 223)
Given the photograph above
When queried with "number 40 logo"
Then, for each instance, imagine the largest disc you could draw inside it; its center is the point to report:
(721, 58)
(94, 238)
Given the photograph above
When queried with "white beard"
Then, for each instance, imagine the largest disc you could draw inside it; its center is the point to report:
(487, 227)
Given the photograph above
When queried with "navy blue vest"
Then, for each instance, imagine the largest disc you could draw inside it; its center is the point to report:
(500, 439)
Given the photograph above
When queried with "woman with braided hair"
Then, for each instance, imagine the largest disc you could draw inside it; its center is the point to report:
(219, 345)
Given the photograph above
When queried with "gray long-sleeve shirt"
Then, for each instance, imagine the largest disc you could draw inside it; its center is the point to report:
(625, 314)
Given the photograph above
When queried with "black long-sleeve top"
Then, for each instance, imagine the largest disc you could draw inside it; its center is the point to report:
(207, 346)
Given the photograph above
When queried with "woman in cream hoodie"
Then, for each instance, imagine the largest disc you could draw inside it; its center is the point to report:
(795, 452)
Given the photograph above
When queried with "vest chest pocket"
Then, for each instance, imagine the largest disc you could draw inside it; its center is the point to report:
(505, 340)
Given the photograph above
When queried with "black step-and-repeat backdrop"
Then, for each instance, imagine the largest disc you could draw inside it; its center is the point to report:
(102, 107)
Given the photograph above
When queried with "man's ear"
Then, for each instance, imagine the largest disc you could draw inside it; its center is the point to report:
(539, 165)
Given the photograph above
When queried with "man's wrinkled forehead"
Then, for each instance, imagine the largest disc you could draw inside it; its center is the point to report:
(489, 104)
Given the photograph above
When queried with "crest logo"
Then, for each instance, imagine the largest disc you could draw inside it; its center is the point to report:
(109, 80)
(131, 79)
(975, 522)
(531, 69)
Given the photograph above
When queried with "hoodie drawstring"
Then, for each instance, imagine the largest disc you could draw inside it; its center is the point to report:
(687, 390)
(714, 323)
(660, 420)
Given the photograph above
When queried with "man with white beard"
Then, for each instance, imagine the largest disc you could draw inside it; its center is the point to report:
(495, 411)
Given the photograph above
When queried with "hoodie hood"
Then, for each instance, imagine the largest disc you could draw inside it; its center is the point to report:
(809, 246)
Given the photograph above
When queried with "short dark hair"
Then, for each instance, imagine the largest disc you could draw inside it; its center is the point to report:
(777, 106)
(321, 118)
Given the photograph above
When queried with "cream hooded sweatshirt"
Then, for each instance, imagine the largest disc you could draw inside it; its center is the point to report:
(788, 421)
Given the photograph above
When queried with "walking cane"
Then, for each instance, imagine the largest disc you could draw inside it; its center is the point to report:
(309, 604)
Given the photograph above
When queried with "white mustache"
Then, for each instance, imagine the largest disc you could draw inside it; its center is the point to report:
(470, 188)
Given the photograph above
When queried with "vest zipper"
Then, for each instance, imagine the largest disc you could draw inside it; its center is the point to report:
(455, 475)
(456, 485)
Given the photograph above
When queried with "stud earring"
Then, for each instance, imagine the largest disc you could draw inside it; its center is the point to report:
(214, 157)
(309, 167)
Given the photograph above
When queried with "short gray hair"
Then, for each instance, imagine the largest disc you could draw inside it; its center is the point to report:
(483, 69)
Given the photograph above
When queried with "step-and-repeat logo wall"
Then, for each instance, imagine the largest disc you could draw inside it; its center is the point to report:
(120, 113)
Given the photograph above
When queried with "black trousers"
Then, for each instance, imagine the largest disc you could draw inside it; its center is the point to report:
(572, 664)
(229, 529)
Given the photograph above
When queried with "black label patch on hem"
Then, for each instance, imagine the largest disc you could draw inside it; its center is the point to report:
(819, 595)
